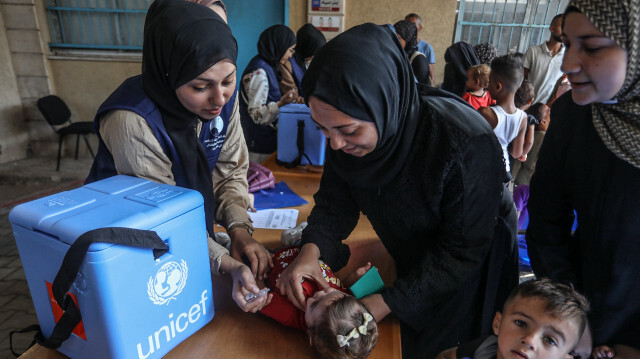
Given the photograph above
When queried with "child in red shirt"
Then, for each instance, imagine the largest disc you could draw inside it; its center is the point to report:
(477, 82)
(339, 325)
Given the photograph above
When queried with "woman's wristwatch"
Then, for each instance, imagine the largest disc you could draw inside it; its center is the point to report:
(246, 226)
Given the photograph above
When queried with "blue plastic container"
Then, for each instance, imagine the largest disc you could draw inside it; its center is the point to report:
(314, 141)
(132, 306)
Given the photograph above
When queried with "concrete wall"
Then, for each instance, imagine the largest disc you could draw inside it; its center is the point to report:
(17, 57)
(84, 82)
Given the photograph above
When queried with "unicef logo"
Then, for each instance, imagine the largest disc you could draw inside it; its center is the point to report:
(167, 283)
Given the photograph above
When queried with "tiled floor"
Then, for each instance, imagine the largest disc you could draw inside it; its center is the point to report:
(22, 181)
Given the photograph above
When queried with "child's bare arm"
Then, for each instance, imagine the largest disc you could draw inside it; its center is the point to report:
(528, 139)
(517, 145)
(489, 115)
(448, 354)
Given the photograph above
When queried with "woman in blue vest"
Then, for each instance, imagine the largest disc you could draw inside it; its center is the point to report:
(309, 41)
(149, 128)
(260, 95)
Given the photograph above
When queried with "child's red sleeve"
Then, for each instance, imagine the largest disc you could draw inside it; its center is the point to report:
(281, 310)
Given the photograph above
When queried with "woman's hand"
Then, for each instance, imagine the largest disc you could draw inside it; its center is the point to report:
(289, 97)
(243, 284)
(305, 266)
(243, 244)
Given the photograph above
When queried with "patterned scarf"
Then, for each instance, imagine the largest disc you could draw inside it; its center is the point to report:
(618, 125)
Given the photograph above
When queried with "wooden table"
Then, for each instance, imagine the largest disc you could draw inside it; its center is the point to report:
(235, 334)
(303, 171)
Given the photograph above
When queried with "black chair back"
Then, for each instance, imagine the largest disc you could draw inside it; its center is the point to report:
(54, 110)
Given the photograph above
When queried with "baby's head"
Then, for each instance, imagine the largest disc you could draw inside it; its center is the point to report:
(478, 77)
(507, 74)
(340, 326)
(540, 319)
(524, 96)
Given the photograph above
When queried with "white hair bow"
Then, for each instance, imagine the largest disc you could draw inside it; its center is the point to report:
(355, 332)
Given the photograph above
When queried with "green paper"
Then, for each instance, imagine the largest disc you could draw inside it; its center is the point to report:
(369, 283)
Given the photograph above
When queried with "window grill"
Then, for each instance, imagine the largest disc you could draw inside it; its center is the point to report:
(97, 24)
(510, 25)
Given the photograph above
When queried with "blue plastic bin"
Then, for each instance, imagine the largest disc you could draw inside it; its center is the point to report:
(132, 306)
(314, 141)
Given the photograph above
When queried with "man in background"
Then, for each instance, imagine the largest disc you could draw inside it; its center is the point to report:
(542, 62)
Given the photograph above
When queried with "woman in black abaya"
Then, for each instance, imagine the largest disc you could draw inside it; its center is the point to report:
(428, 173)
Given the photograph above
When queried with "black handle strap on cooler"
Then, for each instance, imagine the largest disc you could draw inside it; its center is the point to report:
(300, 145)
(71, 264)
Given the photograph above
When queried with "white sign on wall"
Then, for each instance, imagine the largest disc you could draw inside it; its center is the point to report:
(326, 6)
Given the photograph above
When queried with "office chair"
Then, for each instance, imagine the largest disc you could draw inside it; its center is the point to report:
(56, 112)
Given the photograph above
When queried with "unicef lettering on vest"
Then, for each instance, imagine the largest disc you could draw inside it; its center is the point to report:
(134, 301)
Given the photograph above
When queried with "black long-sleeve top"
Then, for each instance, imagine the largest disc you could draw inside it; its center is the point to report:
(437, 219)
(575, 171)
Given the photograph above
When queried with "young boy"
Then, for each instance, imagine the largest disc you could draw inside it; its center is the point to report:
(508, 122)
(541, 113)
(523, 99)
(477, 82)
(540, 320)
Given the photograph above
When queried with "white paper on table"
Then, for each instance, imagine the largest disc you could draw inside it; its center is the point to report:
(280, 218)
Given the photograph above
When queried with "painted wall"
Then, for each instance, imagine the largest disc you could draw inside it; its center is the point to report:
(438, 20)
(94, 82)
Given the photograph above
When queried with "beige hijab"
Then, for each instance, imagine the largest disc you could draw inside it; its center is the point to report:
(619, 124)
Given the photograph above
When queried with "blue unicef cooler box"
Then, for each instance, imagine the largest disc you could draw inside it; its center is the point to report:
(132, 305)
(315, 143)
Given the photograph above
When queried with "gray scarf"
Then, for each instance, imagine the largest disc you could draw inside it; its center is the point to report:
(618, 124)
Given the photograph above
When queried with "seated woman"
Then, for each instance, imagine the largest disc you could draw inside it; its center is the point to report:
(260, 95)
(408, 35)
(427, 172)
(149, 128)
(309, 41)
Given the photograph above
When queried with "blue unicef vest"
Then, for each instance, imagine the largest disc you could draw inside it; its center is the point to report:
(298, 72)
(259, 138)
(130, 96)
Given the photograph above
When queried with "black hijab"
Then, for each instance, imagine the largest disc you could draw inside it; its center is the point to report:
(310, 40)
(364, 73)
(274, 43)
(409, 33)
(181, 41)
(459, 57)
